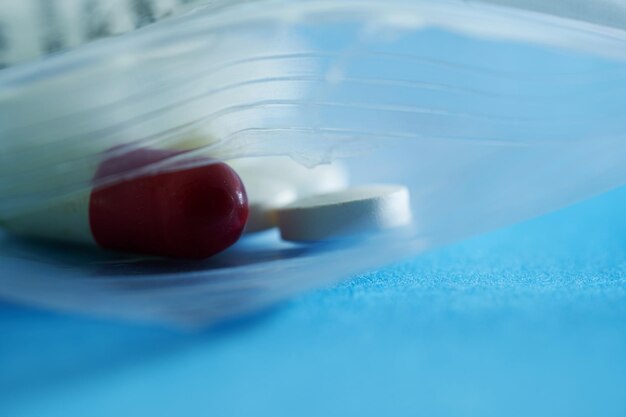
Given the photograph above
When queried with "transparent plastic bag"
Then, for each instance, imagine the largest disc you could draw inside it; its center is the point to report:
(489, 114)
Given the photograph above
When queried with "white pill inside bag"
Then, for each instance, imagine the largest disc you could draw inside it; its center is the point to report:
(264, 196)
(349, 212)
(274, 182)
(322, 178)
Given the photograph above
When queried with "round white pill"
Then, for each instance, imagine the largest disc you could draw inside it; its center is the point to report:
(353, 211)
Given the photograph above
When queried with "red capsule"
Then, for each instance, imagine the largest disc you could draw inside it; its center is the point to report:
(191, 213)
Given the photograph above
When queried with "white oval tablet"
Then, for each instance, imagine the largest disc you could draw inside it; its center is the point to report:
(273, 182)
(307, 181)
(320, 179)
(264, 196)
(349, 212)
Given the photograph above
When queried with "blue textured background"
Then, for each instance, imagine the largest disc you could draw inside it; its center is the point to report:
(529, 320)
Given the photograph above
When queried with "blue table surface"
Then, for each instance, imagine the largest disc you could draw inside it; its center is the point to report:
(528, 320)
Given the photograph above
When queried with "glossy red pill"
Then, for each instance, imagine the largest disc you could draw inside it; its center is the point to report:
(190, 213)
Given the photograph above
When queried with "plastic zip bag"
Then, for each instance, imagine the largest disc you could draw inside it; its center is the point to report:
(489, 114)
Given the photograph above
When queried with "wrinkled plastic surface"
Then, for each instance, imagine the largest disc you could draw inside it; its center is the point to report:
(490, 115)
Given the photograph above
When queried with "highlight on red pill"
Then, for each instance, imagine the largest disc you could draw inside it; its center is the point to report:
(191, 213)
